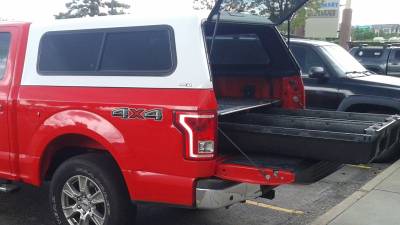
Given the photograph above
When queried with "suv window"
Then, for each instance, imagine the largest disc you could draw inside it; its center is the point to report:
(5, 39)
(369, 53)
(397, 55)
(307, 58)
(394, 56)
(121, 51)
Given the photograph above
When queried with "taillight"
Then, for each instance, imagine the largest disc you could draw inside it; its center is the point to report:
(294, 96)
(199, 131)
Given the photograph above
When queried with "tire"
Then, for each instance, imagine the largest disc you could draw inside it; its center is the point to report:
(91, 190)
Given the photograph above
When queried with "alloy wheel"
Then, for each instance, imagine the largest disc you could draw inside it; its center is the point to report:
(83, 202)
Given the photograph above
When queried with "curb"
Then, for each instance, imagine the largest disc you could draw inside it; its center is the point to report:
(336, 211)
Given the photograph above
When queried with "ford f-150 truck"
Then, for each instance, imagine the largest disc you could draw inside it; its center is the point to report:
(181, 109)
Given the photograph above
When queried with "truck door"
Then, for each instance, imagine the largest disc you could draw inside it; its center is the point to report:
(5, 81)
(394, 63)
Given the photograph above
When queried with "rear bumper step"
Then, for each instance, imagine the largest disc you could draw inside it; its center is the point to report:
(317, 135)
(214, 193)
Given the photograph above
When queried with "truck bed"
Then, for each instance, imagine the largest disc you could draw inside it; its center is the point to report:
(314, 135)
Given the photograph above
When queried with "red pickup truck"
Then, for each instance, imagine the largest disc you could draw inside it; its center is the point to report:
(181, 109)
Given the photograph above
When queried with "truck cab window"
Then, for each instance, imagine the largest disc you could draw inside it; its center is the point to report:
(239, 50)
(4, 50)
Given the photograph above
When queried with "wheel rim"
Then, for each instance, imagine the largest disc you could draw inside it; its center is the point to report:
(83, 202)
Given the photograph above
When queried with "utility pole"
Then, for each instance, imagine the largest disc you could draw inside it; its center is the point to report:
(345, 27)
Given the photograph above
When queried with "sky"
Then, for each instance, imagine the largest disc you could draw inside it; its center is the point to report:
(365, 11)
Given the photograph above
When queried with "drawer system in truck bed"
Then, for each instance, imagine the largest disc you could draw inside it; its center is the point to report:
(316, 135)
(227, 106)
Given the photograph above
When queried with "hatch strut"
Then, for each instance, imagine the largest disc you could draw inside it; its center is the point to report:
(217, 8)
(215, 33)
(289, 28)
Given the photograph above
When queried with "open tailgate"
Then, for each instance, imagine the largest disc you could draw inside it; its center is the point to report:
(273, 170)
(302, 146)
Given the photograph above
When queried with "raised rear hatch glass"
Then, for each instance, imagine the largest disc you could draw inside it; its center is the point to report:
(267, 11)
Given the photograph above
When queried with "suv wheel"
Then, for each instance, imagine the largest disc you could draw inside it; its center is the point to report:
(89, 190)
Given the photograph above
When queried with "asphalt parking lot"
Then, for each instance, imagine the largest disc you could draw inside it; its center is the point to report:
(294, 204)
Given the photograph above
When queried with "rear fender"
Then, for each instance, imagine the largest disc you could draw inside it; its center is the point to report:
(76, 122)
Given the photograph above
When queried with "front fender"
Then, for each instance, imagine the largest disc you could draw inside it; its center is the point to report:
(369, 100)
(77, 122)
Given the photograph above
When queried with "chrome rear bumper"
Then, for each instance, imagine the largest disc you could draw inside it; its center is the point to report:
(214, 193)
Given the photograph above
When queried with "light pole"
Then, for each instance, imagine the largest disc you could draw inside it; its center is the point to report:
(345, 27)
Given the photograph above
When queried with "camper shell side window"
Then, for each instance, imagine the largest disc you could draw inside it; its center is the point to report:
(131, 51)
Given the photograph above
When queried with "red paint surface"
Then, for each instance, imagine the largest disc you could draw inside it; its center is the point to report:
(39, 120)
(9, 86)
(140, 147)
(234, 87)
(252, 175)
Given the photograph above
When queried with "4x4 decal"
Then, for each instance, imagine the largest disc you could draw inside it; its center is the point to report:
(138, 114)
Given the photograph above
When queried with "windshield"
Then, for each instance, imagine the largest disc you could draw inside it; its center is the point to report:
(346, 62)
(276, 11)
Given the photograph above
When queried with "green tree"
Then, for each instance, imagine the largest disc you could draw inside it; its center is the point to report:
(85, 8)
(116, 8)
(362, 34)
(203, 4)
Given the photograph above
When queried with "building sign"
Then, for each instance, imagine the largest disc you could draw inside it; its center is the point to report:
(328, 9)
(324, 22)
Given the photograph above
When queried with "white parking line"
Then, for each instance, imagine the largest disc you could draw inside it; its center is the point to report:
(360, 166)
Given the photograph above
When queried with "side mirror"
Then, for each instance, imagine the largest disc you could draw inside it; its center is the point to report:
(318, 73)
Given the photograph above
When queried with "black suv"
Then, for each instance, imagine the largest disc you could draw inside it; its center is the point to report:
(335, 80)
(382, 60)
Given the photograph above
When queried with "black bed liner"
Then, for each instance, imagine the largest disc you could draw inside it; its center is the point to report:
(315, 135)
